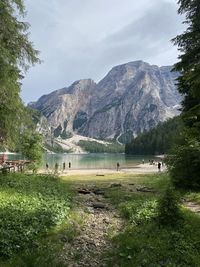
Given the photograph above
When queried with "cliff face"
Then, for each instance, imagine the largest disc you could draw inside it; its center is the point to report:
(133, 97)
(62, 107)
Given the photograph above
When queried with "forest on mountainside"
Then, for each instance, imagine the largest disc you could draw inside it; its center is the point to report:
(156, 141)
(95, 147)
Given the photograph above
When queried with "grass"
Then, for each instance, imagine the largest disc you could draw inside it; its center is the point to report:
(150, 245)
(50, 247)
(30, 206)
(158, 180)
(36, 221)
(144, 242)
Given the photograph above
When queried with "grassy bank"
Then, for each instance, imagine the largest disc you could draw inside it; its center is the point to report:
(30, 206)
(36, 222)
(143, 242)
(146, 243)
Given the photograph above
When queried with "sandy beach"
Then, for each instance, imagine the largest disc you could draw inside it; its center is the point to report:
(139, 169)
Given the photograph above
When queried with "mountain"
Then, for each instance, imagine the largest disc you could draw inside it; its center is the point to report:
(131, 98)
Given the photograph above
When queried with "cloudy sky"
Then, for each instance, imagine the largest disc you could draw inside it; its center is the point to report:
(85, 38)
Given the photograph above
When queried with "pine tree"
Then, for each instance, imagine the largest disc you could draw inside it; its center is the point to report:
(185, 162)
(16, 55)
(189, 64)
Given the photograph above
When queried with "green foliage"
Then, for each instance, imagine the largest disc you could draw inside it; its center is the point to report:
(140, 211)
(143, 242)
(149, 245)
(48, 250)
(31, 148)
(184, 164)
(16, 55)
(44, 255)
(189, 64)
(169, 213)
(95, 147)
(29, 207)
(136, 206)
(158, 140)
(56, 148)
(126, 137)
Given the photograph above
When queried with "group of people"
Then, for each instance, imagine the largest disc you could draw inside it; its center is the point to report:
(160, 164)
(56, 167)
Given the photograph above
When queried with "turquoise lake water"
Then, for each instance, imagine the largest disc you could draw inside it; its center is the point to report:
(91, 160)
(94, 160)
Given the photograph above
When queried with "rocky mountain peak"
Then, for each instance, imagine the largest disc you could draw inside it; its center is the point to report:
(131, 98)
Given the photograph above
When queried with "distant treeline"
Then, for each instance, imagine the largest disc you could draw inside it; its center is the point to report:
(95, 147)
(56, 148)
(158, 140)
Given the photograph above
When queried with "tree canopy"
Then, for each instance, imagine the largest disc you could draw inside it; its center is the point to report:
(189, 62)
(16, 55)
(185, 162)
(156, 141)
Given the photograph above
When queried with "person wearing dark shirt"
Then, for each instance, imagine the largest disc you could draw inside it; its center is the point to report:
(159, 166)
(63, 166)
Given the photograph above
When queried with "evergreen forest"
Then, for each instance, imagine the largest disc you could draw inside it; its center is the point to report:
(158, 140)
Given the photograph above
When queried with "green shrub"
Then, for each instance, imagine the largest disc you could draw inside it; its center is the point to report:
(184, 165)
(139, 211)
(169, 213)
(29, 206)
(149, 245)
(31, 148)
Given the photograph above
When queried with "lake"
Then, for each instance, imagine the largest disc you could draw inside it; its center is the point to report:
(91, 160)
(94, 160)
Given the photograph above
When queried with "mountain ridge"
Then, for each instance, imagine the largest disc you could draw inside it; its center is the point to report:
(132, 98)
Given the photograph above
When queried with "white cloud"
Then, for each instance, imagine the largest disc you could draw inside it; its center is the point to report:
(85, 38)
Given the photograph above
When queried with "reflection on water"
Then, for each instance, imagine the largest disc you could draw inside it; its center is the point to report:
(94, 160)
(90, 161)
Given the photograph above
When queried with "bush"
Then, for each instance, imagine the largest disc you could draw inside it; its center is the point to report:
(29, 206)
(168, 211)
(184, 165)
(139, 211)
(31, 148)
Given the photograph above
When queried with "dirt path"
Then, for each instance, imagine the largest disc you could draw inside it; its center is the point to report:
(102, 222)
